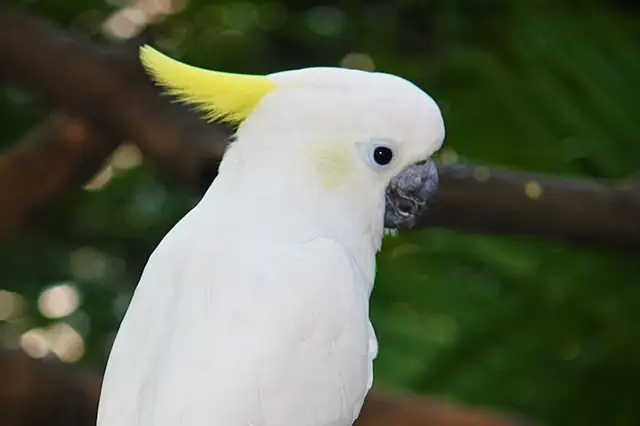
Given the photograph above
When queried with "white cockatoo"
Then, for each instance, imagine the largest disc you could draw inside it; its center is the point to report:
(254, 309)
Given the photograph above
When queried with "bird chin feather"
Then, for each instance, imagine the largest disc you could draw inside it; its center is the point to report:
(389, 232)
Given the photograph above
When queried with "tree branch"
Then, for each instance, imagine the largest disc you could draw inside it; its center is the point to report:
(106, 87)
(388, 408)
(44, 393)
(54, 158)
(581, 211)
(38, 393)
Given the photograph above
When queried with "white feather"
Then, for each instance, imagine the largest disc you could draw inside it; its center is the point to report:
(254, 309)
(276, 334)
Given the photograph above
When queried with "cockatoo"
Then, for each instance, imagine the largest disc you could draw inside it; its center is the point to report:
(254, 309)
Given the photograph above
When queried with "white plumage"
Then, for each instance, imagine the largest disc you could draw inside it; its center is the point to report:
(254, 309)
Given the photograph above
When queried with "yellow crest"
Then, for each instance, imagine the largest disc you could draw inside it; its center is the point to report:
(221, 96)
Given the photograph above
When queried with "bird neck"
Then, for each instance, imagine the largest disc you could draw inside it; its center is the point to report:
(276, 199)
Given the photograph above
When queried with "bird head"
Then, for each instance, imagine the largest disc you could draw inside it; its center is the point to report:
(365, 137)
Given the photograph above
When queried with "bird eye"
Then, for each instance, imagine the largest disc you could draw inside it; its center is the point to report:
(382, 155)
(379, 153)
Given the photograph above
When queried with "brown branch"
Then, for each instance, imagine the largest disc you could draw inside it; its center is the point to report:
(39, 393)
(388, 408)
(54, 158)
(501, 202)
(105, 86)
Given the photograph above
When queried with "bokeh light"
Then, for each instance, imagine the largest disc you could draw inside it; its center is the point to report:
(65, 342)
(59, 301)
(100, 180)
(326, 20)
(126, 157)
(59, 339)
(88, 263)
(11, 305)
(360, 61)
(35, 344)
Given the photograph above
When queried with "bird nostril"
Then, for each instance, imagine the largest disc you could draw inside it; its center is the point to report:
(405, 207)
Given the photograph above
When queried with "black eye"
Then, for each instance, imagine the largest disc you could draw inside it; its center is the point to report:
(382, 155)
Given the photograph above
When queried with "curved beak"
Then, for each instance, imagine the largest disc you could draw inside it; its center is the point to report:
(409, 195)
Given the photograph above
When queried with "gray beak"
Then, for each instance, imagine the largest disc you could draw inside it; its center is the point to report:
(409, 195)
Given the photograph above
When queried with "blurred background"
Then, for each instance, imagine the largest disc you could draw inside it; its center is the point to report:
(545, 329)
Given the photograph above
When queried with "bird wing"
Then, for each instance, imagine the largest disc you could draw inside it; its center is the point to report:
(229, 334)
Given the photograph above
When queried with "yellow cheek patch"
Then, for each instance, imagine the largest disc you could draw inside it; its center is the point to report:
(334, 164)
(220, 96)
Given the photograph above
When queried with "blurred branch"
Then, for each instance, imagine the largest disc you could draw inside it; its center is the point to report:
(385, 409)
(106, 87)
(581, 211)
(59, 155)
(39, 393)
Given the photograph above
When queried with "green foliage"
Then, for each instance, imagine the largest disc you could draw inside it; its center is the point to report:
(548, 86)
